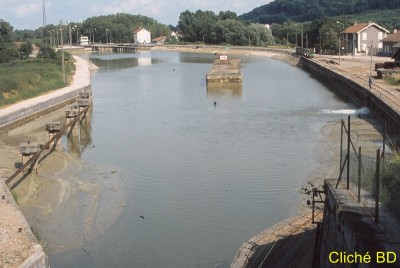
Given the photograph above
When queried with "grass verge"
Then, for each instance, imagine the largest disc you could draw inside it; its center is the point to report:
(25, 79)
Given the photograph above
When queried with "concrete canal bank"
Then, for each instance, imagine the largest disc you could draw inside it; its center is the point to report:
(18, 245)
(352, 83)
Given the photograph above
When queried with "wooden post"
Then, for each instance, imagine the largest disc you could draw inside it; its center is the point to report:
(384, 144)
(359, 174)
(377, 184)
(341, 145)
(348, 153)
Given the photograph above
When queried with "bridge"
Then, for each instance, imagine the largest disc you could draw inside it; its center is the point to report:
(119, 48)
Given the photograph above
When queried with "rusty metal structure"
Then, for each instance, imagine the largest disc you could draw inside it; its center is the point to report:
(33, 151)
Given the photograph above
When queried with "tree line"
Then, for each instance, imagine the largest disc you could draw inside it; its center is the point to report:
(224, 28)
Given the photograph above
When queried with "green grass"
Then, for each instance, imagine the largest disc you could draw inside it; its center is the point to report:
(393, 80)
(24, 79)
(15, 196)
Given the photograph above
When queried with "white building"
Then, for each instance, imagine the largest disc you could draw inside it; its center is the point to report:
(142, 36)
(84, 41)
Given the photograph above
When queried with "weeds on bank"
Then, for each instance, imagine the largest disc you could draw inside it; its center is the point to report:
(15, 196)
(393, 80)
(391, 184)
(24, 79)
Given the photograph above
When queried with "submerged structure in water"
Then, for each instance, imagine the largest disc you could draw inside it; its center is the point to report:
(225, 70)
(225, 76)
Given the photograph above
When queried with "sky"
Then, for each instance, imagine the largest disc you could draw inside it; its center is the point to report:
(28, 14)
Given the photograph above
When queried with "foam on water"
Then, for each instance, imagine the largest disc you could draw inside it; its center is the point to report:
(362, 111)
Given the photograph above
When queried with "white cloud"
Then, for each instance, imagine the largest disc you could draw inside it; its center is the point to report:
(26, 10)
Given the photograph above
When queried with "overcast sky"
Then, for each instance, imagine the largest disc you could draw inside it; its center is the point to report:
(27, 14)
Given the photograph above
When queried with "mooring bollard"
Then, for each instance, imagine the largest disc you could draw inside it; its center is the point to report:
(29, 149)
(53, 128)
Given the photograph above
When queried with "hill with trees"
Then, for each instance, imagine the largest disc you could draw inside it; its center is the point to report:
(280, 11)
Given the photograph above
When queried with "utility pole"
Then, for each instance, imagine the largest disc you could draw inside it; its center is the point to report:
(338, 22)
(370, 70)
(287, 39)
(320, 43)
(70, 35)
(62, 53)
(339, 49)
(302, 46)
(44, 21)
(306, 40)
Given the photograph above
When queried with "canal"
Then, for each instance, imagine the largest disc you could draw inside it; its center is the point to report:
(162, 177)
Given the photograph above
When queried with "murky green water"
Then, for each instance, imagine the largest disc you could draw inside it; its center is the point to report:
(174, 181)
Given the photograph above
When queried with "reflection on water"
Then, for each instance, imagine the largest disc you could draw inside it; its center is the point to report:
(225, 89)
(196, 58)
(126, 62)
(144, 61)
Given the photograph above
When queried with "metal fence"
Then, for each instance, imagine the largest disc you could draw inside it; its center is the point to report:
(371, 175)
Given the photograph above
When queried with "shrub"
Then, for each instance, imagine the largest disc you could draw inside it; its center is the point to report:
(47, 53)
(25, 50)
(391, 182)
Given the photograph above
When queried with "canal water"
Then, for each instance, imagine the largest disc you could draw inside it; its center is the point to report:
(167, 178)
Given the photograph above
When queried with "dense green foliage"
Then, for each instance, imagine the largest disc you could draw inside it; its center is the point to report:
(25, 50)
(319, 33)
(207, 27)
(388, 19)
(280, 11)
(391, 183)
(24, 79)
(8, 51)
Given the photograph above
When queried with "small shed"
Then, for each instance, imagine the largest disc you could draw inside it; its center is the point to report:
(396, 55)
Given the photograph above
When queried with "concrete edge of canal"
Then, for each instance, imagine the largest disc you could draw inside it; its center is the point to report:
(17, 241)
(344, 85)
(19, 247)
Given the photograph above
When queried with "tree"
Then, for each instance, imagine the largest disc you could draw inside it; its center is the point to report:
(227, 15)
(186, 25)
(8, 50)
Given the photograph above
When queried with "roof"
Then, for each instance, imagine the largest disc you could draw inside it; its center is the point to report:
(397, 45)
(161, 38)
(140, 29)
(392, 37)
(362, 26)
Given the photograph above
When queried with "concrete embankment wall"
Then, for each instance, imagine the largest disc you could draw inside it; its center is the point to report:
(16, 243)
(350, 89)
(38, 109)
(349, 229)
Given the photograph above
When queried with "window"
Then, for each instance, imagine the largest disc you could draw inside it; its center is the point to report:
(364, 36)
(380, 35)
